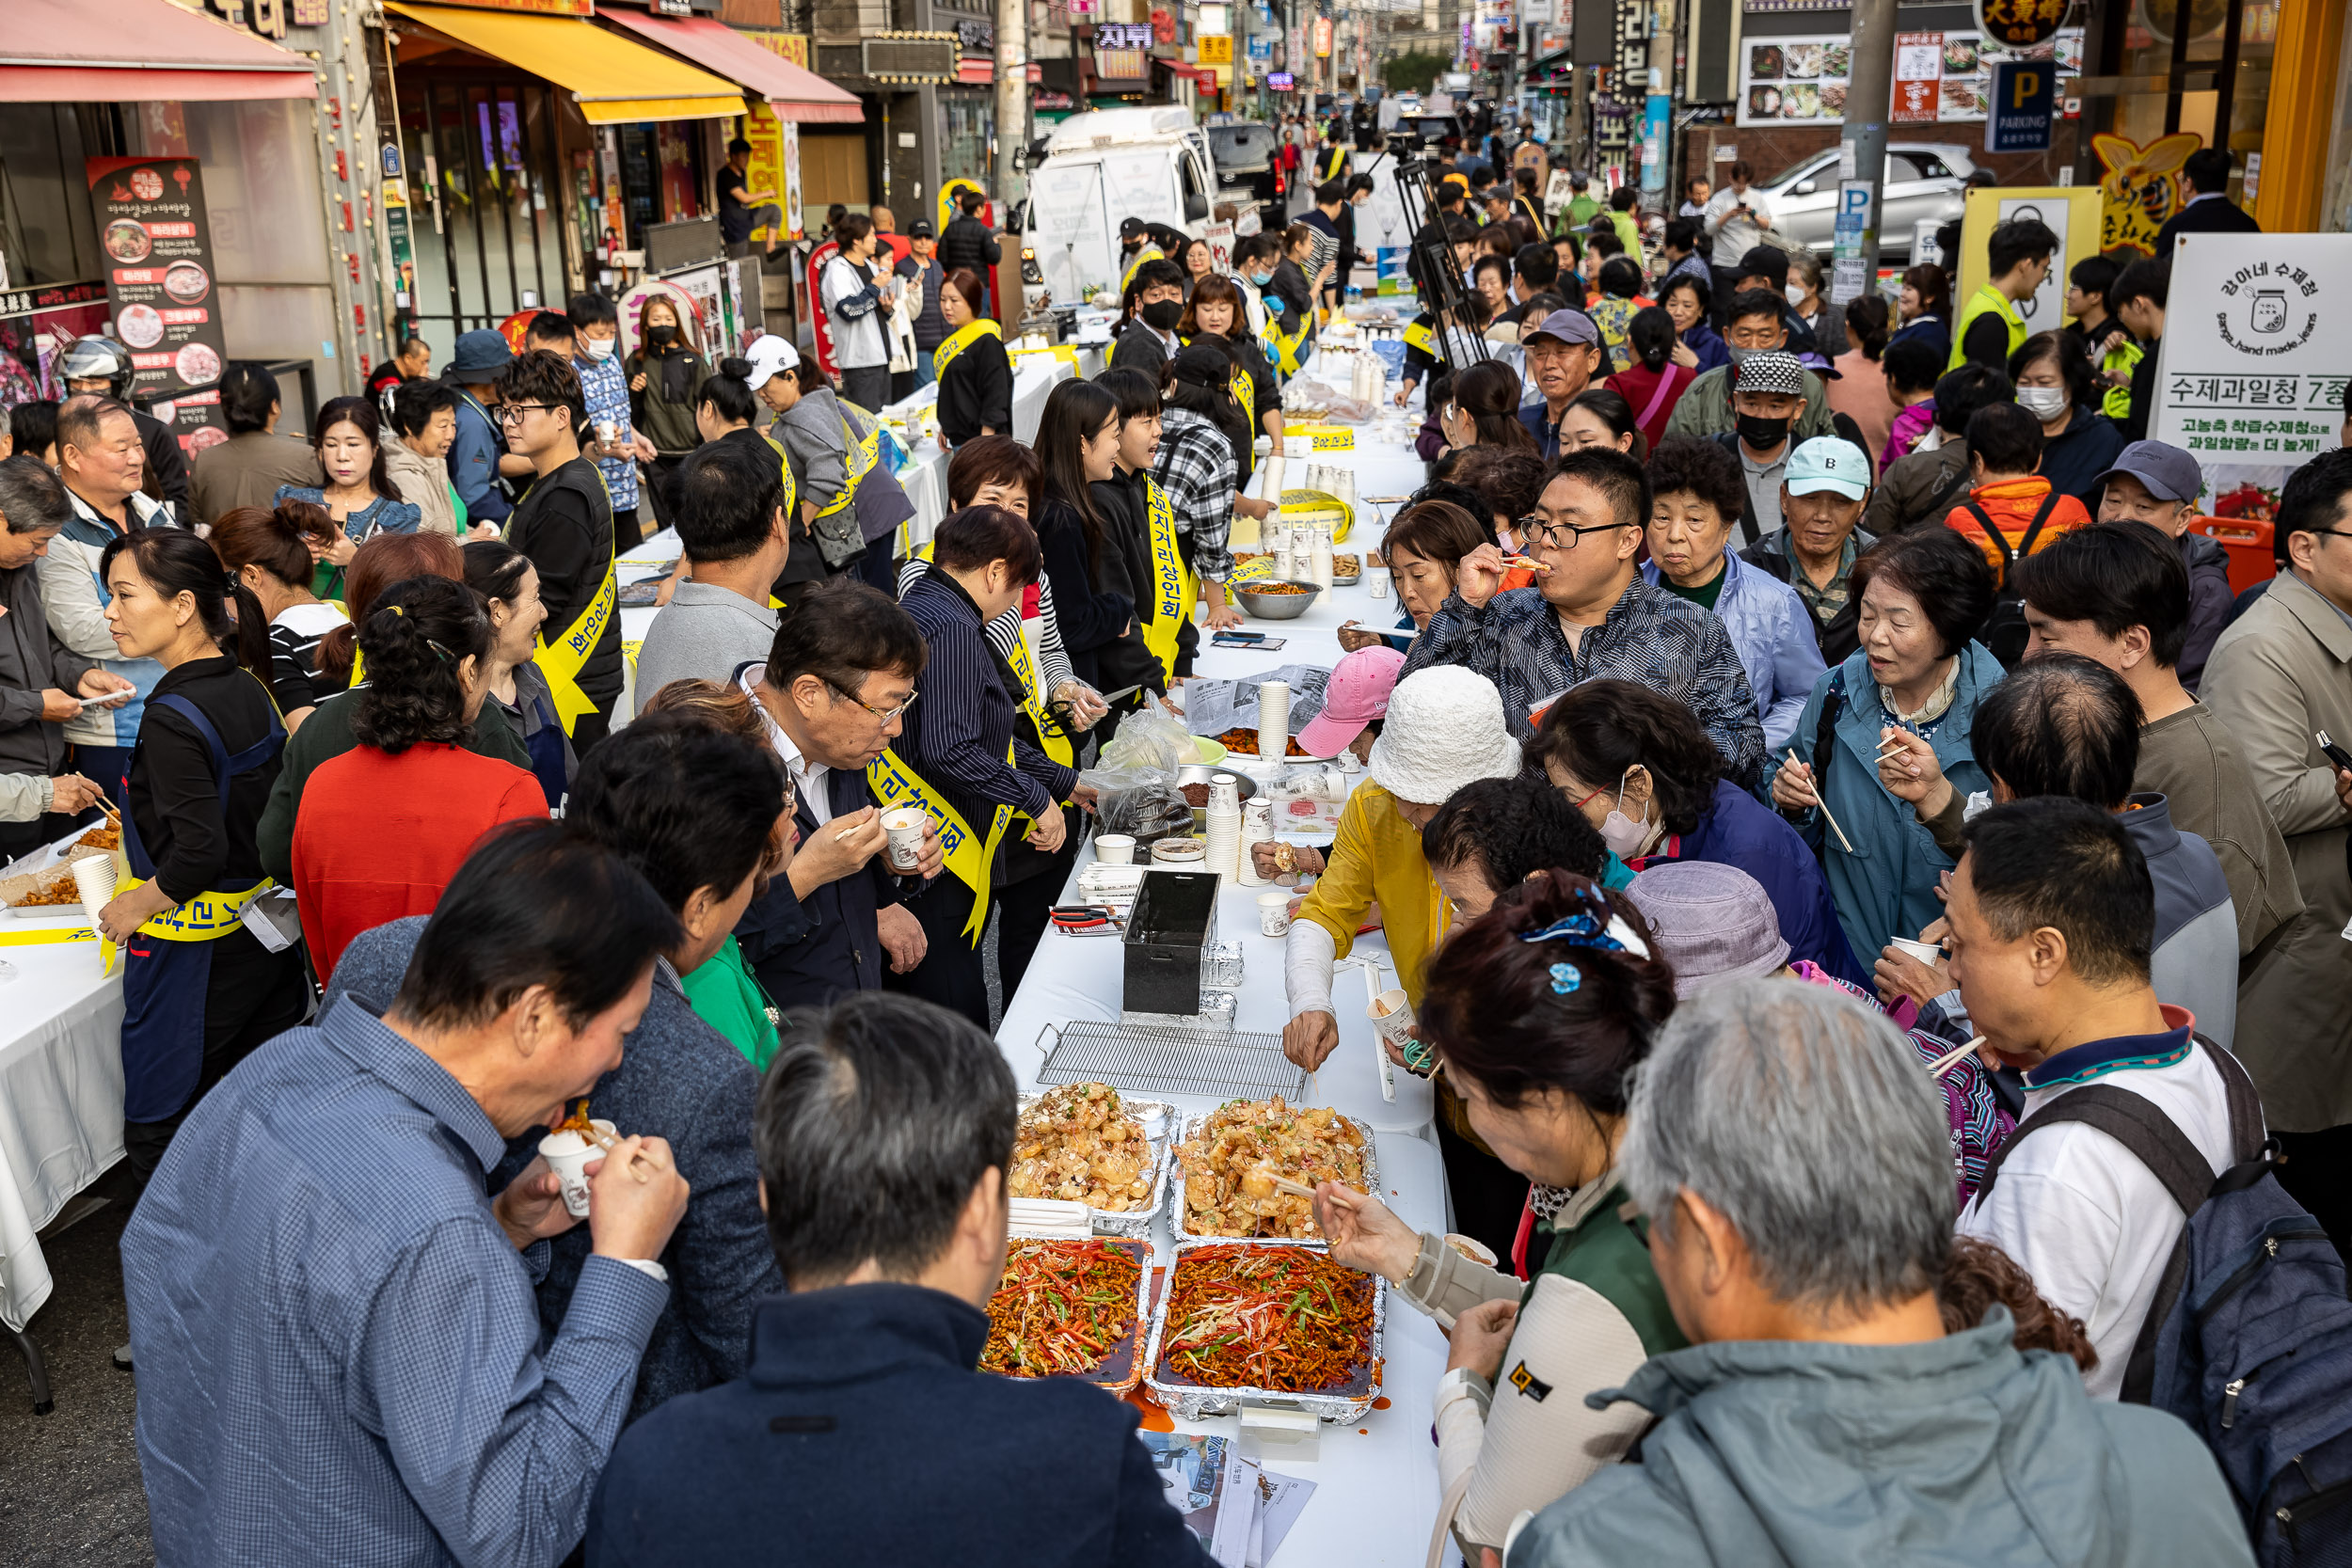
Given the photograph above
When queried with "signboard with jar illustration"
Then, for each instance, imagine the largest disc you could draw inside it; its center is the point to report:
(2250, 375)
(157, 238)
(1938, 76)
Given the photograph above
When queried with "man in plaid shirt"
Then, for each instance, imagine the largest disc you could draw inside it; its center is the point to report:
(1590, 616)
(1196, 468)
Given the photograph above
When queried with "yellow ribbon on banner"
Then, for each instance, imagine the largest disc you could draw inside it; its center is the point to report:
(48, 934)
(963, 338)
(1171, 584)
(863, 454)
(968, 856)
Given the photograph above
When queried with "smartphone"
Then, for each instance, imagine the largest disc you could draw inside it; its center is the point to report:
(1260, 644)
(1230, 636)
(2334, 753)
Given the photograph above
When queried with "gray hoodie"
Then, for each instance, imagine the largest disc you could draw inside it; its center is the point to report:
(1959, 1449)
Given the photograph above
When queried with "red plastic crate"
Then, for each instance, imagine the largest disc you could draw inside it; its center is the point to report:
(2247, 540)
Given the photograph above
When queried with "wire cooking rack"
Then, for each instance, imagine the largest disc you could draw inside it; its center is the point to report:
(1169, 1061)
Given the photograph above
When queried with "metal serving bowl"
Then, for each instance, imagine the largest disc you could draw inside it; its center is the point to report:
(1277, 607)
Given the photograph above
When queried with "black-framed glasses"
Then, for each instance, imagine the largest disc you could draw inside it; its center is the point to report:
(1534, 529)
(511, 413)
(884, 714)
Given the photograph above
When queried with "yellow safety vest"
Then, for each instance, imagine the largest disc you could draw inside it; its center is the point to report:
(562, 661)
(2117, 403)
(1149, 253)
(1171, 584)
(1051, 737)
(969, 857)
(1986, 298)
(963, 338)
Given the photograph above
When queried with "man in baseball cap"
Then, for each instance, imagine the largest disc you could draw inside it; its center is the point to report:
(1822, 496)
(2158, 484)
(1563, 357)
(1767, 395)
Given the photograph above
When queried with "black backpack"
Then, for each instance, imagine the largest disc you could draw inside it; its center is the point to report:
(2005, 628)
(2249, 1337)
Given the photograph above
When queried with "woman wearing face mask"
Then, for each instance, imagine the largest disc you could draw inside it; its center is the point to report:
(1923, 593)
(1637, 764)
(2054, 384)
(359, 495)
(383, 827)
(1280, 322)
(508, 586)
(1698, 348)
(1804, 292)
(1483, 410)
(664, 375)
(1077, 447)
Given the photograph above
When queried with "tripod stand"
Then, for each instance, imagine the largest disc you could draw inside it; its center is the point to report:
(1430, 261)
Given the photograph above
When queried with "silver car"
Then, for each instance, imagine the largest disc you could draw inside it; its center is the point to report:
(1924, 181)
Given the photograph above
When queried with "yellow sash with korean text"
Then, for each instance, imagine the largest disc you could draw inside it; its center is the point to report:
(1422, 336)
(1171, 584)
(1051, 739)
(562, 661)
(968, 856)
(963, 338)
(1149, 253)
(863, 454)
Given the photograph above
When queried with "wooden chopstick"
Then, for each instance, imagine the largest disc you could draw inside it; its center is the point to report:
(1950, 1059)
(1823, 806)
(1283, 1184)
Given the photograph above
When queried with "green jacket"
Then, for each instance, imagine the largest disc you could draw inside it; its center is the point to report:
(1706, 408)
(1788, 1454)
(726, 995)
(1602, 1251)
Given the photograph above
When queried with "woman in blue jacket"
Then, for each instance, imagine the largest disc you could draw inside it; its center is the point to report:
(1636, 762)
(1923, 596)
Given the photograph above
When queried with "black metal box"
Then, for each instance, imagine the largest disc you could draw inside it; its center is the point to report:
(1174, 917)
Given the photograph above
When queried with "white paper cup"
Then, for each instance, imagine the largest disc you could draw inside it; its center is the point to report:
(94, 878)
(567, 1155)
(904, 826)
(1115, 849)
(1274, 912)
(1472, 1249)
(1926, 952)
(1391, 1016)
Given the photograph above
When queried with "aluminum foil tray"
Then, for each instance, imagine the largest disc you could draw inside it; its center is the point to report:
(1153, 1114)
(1193, 1401)
(1178, 1218)
(1125, 1367)
(1188, 1061)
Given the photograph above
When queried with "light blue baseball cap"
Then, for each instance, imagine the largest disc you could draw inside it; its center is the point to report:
(1826, 463)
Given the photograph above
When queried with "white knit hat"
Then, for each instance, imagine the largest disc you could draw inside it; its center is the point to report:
(1444, 729)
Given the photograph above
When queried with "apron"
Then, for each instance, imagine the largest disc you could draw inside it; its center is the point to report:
(545, 746)
(168, 961)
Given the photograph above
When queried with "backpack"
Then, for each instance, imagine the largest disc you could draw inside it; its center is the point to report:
(2249, 1337)
(2005, 630)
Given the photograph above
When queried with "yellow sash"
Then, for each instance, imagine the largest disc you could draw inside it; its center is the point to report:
(791, 502)
(864, 452)
(206, 917)
(1050, 734)
(1149, 253)
(1171, 584)
(1419, 335)
(1257, 568)
(562, 661)
(1246, 393)
(963, 338)
(969, 857)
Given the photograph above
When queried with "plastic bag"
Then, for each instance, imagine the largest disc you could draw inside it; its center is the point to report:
(1143, 803)
(1149, 737)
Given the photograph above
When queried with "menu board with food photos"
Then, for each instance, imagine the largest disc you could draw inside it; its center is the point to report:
(1938, 76)
(158, 243)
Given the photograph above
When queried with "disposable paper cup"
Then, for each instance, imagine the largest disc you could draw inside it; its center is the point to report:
(1115, 849)
(94, 878)
(567, 1155)
(1375, 583)
(1472, 1249)
(905, 827)
(1274, 912)
(1391, 1016)
(1926, 952)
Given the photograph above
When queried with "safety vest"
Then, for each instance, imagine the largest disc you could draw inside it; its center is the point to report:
(1149, 253)
(1986, 298)
(2117, 403)
(968, 856)
(1051, 737)
(963, 338)
(562, 661)
(1171, 584)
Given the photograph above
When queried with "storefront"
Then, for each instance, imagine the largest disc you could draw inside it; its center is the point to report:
(173, 200)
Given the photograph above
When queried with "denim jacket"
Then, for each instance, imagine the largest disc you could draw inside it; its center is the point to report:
(1772, 632)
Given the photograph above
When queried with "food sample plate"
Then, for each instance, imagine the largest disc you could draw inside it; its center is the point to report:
(1050, 1284)
(1357, 1166)
(1290, 1304)
(1157, 1122)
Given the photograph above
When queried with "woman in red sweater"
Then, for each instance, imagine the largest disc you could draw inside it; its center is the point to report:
(383, 827)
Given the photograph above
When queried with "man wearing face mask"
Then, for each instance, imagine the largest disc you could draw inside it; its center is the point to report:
(1757, 325)
(1149, 341)
(1135, 247)
(1768, 396)
(612, 440)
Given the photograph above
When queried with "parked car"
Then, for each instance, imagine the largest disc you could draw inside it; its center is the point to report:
(1924, 180)
(1247, 170)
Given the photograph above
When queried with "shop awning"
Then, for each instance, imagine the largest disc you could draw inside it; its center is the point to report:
(122, 51)
(613, 80)
(794, 92)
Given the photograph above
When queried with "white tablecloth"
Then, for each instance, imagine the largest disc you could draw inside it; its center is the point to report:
(1377, 1481)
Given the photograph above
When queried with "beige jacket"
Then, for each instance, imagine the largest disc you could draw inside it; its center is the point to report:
(2282, 671)
(423, 483)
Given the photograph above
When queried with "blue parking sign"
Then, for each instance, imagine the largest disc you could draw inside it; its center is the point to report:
(2025, 103)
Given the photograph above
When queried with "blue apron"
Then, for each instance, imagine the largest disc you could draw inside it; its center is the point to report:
(165, 981)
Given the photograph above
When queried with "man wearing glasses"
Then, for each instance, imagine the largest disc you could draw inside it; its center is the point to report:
(1590, 616)
(835, 685)
(563, 523)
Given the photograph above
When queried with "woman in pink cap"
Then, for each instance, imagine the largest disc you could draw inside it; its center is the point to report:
(1355, 701)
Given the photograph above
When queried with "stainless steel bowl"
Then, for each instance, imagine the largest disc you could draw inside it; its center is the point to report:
(1277, 607)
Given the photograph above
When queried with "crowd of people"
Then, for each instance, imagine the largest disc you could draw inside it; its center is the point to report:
(1805, 832)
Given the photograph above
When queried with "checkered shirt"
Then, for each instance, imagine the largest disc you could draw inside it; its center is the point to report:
(1196, 468)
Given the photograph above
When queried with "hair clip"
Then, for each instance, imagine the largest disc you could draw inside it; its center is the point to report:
(396, 609)
(447, 658)
(1585, 929)
(1565, 977)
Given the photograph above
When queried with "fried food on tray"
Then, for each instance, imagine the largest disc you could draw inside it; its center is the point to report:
(1242, 741)
(1063, 1307)
(1283, 1318)
(101, 838)
(61, 890)
(1231, 1166)
(1076, 1144)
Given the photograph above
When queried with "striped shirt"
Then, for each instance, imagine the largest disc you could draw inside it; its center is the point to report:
(1003, 632)
(294, 678)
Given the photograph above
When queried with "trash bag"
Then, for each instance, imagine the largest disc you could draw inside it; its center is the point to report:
(1149, 737)
(1144, 802)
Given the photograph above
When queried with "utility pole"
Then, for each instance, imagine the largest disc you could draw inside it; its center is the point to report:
(1012, 95)
(1862, 155)
(1657, 110)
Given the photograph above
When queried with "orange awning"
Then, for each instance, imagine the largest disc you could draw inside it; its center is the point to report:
(124, 51)
(793, 91)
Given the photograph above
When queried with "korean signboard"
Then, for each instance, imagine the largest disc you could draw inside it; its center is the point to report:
(2257, 348)
(1938, 76)
(153, 227)
(1123, 51)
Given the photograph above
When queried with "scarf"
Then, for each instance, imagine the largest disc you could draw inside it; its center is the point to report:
(1938, 703)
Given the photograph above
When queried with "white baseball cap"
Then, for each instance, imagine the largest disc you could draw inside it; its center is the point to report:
(769, 356)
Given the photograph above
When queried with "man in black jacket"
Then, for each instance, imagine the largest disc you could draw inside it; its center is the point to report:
(564, 524)
(2210, 210)
(969, 242)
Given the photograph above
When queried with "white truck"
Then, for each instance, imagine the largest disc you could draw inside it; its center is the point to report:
(1100, 168)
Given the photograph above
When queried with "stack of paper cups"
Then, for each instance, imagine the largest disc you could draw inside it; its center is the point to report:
(1272, 489)
(1224, 834)
(1274, 721)
(1343, 485)
(1320, 564)
(1257, 827)
(94, 878)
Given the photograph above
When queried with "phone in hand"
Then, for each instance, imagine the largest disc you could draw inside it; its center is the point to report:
(2333, 753)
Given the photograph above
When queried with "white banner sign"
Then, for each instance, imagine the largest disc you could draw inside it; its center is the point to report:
(2257, 348)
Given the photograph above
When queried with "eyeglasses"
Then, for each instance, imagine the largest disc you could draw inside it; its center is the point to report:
(884, 714)
(511, 413)
(1534, 529)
